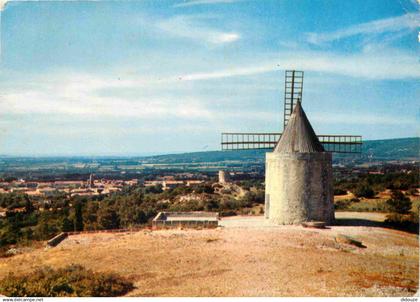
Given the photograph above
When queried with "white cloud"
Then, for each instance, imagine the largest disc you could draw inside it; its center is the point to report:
(75, 94)
(408, 21)
(42, 102)
(191, 27)
(361, 119)
(203, 2)
(387, 65)
(231, 72)
(225, 38)
(3, 4)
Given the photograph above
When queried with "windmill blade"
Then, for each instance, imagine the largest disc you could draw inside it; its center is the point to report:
(341, 143)
(247, 141)
(252, 141)
(293, 88)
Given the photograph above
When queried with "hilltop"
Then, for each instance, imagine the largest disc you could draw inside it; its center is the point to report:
(246, 257)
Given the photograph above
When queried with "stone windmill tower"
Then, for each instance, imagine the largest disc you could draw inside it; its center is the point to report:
(298, 172)
(298, 177)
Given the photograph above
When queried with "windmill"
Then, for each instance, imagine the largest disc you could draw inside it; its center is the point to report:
(298, 176)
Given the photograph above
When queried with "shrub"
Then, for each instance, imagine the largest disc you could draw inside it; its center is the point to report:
(416, 206)
(226, 213)
(399, 203)
(10, 234)
(408, 222)
(73, 280)
(230, 204)
(203, 188)
(108, 218)
(339, 191)
(342, 204)
(376, 206)
(154, 189)
(67, 225)
(412, 192)
(211, 205)
(364, 191)
(45, 230)
(78, 222)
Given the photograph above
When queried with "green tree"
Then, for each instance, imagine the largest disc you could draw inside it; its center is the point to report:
(108, 218)
(44, 230)
(78, 217)
(249, 199)
(211, 204)
(29, 208)
(130, 213)
(339, 191)
(154, 189)
(399, 203)
(364, 191)
(67, 225)
(10, 233)
(203, 188)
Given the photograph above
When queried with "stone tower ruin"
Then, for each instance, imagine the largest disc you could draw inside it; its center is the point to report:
(223, 177)
(298, 177)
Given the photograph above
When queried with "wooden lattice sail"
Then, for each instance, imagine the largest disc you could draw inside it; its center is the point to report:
(263, 140)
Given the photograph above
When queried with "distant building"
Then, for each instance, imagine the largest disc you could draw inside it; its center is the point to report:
(223, 178)
(91, 182)
(193, 182)
(170, 184)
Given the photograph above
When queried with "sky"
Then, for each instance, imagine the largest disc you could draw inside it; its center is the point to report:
(163, 76)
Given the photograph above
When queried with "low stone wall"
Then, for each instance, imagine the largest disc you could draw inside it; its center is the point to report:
(161, 215)
(208, 220)
(163, 224)
(185, 220)
(134, 229)
(57, 239)
(60, 237)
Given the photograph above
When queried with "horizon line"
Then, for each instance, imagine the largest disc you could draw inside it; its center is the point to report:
(149, 154)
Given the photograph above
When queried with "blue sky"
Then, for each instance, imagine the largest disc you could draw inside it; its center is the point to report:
(139, 77)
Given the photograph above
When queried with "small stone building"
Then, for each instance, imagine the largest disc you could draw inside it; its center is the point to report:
(186, 219)
(298, 180)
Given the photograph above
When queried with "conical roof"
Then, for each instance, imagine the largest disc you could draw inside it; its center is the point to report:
(299, 136)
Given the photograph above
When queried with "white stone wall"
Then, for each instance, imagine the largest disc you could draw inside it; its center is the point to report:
(299, 187)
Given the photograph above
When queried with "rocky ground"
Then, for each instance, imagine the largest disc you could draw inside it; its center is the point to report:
(246, 257)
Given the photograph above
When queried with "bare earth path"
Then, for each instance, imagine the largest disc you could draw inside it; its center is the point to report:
(246, 257)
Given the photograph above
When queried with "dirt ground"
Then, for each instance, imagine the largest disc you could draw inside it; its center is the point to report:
(246, 257)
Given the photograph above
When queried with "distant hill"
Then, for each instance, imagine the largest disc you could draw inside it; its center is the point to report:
(372, 150)
(393, 149)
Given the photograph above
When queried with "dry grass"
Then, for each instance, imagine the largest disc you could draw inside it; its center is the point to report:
(377, 204)
(245, 258)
